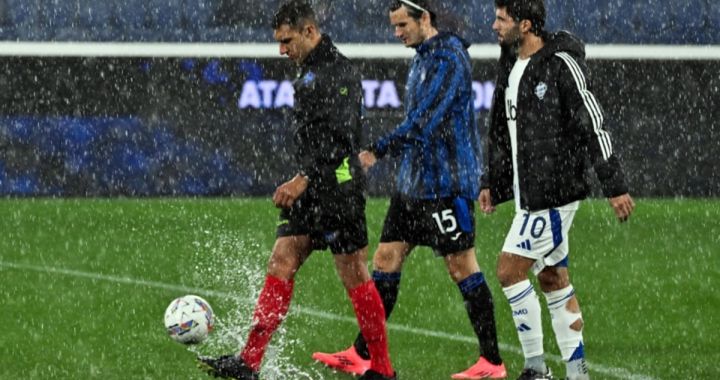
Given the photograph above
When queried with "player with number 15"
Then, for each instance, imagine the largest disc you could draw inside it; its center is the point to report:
(437, 182)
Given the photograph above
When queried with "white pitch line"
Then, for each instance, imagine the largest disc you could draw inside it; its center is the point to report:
(619, 373)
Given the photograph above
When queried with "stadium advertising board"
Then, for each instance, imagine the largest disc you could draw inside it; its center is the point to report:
(107, 126)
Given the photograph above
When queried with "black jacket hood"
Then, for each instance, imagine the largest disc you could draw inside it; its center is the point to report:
(562, 41)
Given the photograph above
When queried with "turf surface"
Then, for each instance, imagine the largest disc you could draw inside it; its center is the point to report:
(84, 284)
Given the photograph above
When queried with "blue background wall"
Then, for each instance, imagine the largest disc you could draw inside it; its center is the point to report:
(602, 21)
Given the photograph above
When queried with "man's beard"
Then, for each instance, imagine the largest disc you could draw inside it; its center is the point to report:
(513, 40)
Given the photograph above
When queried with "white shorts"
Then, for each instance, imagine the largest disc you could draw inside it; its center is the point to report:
(541, 235)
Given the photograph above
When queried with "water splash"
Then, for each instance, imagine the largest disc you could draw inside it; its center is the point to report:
(227, 260)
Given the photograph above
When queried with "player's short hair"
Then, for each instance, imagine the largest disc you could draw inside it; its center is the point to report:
(294, 13)
(533, 10)
(416, 8)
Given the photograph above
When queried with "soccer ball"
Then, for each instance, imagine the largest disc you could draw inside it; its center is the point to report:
(189, 319)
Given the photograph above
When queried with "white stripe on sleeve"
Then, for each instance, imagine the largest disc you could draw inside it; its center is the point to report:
(590, 103)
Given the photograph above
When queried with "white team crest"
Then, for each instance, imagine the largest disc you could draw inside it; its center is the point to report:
(540, 90)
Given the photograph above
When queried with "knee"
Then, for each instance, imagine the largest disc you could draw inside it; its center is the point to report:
(547, 280)
(506, 273)
(387, 261)
(512, 269)
(551, 279)
(462, 265)
(283, 267)
(352, 269)
(456, 274)
(505, 276)
(288, 255)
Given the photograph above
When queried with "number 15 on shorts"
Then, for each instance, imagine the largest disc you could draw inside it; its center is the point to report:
(446, 221)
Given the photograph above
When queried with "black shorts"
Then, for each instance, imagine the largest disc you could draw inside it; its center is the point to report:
(334, 220)
(447, 225)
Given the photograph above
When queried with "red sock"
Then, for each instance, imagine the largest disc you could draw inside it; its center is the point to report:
(271, 308)
(371, 318)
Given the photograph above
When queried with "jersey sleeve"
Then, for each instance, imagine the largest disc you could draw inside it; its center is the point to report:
(446, 77)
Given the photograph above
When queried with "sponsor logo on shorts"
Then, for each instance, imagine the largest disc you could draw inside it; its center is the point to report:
(525, 245)
(331, 236)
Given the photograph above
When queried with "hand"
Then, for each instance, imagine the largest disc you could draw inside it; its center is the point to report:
(623, 206)
(485, 201)
(287, 193)
(367, 159)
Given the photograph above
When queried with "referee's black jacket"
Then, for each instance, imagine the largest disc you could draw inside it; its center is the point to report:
(560, 131)
(328, 118)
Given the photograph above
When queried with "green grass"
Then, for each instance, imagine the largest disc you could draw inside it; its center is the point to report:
(84, 284)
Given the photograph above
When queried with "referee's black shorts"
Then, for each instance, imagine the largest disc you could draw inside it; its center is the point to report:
(447, 225)
(333, 219)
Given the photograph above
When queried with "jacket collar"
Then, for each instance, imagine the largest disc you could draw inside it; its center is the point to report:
(441, 40)
(322, 52)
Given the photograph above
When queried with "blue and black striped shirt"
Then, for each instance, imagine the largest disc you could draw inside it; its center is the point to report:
(439, 141)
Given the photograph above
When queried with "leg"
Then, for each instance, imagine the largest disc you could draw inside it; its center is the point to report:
(396, 242)
(390, 257)
(288, 255)
(352, 269)
(462, 265)
(387, 264)
(388, 261)
(567, 320)
(512, 272)
(513, 269)
(465, 272)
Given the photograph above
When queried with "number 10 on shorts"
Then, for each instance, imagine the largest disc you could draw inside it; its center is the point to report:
(536, 229)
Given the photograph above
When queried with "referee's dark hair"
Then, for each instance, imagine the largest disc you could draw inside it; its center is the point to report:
(532, 10)
(416, 8)
(294, 13)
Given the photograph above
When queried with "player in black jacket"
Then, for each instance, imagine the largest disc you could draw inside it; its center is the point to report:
(323, 206)
(546, 127)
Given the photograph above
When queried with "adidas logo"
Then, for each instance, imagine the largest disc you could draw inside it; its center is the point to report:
(523, 328)
(525, 245)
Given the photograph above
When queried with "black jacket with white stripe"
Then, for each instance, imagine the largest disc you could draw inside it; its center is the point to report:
(560, 131)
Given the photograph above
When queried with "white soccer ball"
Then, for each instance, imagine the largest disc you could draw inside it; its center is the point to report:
(189, 319)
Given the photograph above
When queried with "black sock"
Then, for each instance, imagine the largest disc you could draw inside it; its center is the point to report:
(480, 309)
(387, 285)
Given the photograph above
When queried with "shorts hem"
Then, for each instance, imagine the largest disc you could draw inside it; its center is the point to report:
(521, 252)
